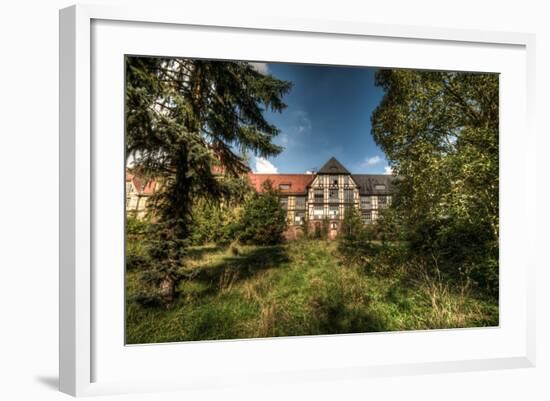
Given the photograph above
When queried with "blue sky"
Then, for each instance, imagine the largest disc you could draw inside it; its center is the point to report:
(328, 114)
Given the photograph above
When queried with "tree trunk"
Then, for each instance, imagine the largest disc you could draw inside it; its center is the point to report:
(168, 289)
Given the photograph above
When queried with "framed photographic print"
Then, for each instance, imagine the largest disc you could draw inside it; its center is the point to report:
(317, 200)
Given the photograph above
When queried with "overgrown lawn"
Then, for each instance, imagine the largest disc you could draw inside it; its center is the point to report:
(298, 288)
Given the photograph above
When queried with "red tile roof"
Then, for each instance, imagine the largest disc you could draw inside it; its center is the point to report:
(298, 182)
(143, 187)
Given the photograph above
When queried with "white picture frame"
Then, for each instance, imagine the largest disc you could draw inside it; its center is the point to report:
(84, 324)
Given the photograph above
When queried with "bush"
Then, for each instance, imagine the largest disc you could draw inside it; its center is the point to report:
(305, 227)
(463, 251)
(263, 221)
(214, 223)
(354, 242)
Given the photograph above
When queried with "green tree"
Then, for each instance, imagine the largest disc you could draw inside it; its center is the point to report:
(216, 221)
(305, 227)
(440, 132)
(264, 220)
(325, 227)
(353, 240)
(184, 117)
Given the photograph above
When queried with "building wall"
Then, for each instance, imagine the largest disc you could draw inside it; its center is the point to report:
(136, 202)
(300, 206)
(331, 207)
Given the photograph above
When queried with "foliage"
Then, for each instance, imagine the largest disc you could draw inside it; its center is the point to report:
(214, 223)
(183, 118)
(306, 232)
(354, 241)
(298, 288)
(440, 132)
(320, 229)
(325, 227)
(264, 220)
(317, 233)
(218, 222)
(136, 254)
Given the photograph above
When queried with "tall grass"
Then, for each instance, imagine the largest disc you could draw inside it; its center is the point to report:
(299, 288)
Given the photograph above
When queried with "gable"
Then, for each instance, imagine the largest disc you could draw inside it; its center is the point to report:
(333, 166)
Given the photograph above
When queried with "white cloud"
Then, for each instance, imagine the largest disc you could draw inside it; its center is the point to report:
(388, 170)
(262, 68)
(374, 160)
(371, 161)
(303, 122)
(264, 166)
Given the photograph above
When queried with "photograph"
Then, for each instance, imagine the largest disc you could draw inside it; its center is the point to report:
(267, 199)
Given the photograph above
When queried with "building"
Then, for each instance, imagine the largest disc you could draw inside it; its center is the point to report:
(138, 191)
(326, 194)
(311, 197)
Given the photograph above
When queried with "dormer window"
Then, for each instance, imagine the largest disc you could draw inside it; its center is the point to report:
(380, 187)
(284, 187)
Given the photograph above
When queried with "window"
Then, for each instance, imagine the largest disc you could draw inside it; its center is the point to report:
(367, 216)
(333, 180)
(284, 202)
(299, 217)
(333, 195)
(382, 200)
(365, 202)
(380, 187)
(333, 212)
(319, 194)
(129, 188)
(300, 203)
(348, 195)
(334, 226)
(284, 187)
(318, 212)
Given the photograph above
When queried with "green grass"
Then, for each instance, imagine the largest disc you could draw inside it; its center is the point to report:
(298, 288)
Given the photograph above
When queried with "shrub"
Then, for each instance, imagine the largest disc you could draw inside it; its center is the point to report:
(263, 221)
(354, 243)
(305, 227)
(214, 223)
(325, 226)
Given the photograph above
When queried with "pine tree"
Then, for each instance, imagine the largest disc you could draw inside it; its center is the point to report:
(184, 116)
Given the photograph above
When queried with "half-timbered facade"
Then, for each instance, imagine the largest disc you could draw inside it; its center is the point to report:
(311, 197)
(327, 193)
(138, 192)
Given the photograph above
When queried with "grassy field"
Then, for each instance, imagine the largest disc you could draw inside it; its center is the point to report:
(298, 288)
